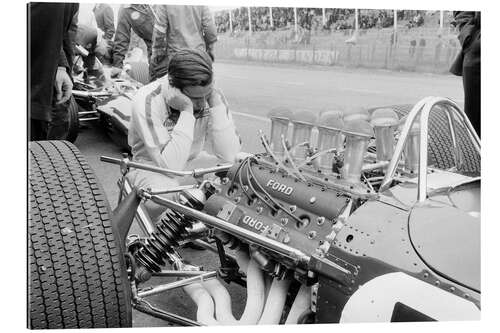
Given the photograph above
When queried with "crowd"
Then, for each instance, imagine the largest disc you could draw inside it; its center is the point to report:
(311, 19)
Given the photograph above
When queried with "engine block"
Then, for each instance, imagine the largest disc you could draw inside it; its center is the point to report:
(257, 196)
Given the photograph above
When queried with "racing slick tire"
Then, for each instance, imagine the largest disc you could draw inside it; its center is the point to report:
(440, 143)
(73, 120)
(77, 276)
(139, 71)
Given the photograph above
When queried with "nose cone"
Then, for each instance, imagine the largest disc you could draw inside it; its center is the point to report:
(384, 118)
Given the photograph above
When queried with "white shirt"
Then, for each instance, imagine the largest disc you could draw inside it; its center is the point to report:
(154, 137)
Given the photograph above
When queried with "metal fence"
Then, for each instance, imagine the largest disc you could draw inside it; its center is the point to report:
(423, 50)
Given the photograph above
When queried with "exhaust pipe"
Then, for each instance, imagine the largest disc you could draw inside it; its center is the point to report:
(275, 302)
(204, 303)
(256, 289)
(222, 300)
(212, 298)
(301, 304)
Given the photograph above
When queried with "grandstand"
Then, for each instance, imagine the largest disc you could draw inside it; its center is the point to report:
(416, 40)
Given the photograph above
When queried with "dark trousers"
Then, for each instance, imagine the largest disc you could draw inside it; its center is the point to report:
(56, 129)
(471, 76)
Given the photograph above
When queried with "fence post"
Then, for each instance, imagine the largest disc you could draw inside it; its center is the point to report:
(249, 22)
(386, 60)
(295, 17)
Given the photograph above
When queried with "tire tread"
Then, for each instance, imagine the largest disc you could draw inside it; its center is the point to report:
(76, 269)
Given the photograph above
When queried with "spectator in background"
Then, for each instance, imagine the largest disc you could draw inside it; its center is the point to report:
(180, 27)
(105, 20)
(50, 58)
(468, 63)
(413, 45)
(140, 19)
(437, 52)
(421, 48)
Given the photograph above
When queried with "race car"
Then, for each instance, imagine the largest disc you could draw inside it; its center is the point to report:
(94, 88)
(367, 217)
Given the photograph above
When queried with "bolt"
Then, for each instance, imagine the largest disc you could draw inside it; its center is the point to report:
(284, 220)
(312, 200)
(259, 210)
(237, 199)
(286, 240)
(293, 208)
(321, 220)
(312, 234)
(426, 275)
(224, 180)
(437, 283)
(452, 289)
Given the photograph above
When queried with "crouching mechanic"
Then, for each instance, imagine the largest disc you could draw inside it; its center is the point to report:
(174, 118)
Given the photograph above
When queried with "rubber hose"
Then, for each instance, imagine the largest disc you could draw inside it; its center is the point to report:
(275, 302)
(301, 303)
(205, 304)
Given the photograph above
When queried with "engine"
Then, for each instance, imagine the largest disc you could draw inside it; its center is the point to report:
(297, 193)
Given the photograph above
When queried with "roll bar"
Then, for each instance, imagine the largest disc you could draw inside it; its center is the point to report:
(422, 110)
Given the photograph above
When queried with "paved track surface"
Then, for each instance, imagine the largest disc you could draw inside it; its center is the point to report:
(252, 90)
(255, 89)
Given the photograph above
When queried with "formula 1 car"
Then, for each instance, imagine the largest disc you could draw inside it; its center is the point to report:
(352, 218)
(94, 88)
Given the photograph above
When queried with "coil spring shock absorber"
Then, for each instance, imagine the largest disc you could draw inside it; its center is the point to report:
(169, 232)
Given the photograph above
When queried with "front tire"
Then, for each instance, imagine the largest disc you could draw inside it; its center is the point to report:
(77, 274)
(74, 120)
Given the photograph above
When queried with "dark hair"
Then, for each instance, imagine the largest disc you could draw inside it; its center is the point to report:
(190, 67)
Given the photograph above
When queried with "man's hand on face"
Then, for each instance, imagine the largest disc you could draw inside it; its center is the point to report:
(177, 100)
(63, 85)
(215, 98)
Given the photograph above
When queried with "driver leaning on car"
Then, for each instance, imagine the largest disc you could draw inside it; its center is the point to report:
(174, 118)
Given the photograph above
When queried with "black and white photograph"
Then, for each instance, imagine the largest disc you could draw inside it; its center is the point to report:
(253, 163)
